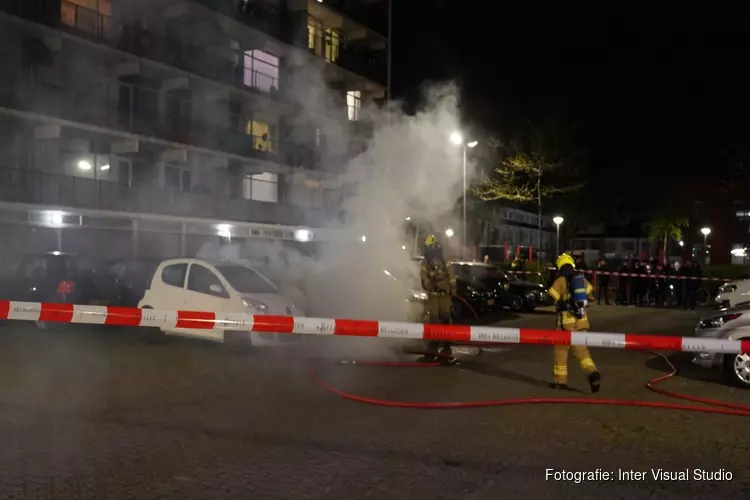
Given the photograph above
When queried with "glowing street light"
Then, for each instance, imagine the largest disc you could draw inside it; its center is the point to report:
(364, 239)
(681, 243)
(456, 138)
(84, 165)
(449, 233)
(706, 231)
(303, 235)
(472, 144)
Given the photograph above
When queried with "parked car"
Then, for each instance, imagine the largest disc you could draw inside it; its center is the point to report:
(128, 279)
(200, 285)
(731, 324)
(53, 277)
(732, 293)
(506, 290)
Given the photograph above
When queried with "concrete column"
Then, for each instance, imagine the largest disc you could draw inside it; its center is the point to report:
(183, 239)
(134, 239)
(58, 235)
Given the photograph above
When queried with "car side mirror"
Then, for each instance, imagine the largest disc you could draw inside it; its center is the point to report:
(216, 289)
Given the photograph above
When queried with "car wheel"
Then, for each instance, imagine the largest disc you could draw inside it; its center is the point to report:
(529, 307)
(737, 370)
(517, 303)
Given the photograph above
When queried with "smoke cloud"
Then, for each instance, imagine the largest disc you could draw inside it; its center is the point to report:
(407, 169)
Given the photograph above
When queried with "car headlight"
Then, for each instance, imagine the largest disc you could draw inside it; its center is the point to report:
(716, 322)
(260, 307)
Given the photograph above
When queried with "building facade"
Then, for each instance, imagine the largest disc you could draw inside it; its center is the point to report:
(508, 228)
(173, 121)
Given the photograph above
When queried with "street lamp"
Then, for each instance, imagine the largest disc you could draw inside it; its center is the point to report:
(558, 220)
(449, 233)
(458, 139)
(706, 231)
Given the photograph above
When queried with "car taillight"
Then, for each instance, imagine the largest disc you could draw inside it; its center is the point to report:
(65, 287)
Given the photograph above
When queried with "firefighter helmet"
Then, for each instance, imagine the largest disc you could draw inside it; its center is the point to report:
(430, 241)
(564, 259)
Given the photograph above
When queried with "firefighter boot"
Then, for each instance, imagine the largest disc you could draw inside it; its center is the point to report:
(562, 387)
(431, 355)
(594, 381)
(446, 355)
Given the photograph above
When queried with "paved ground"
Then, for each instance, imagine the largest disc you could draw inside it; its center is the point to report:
(103, 414)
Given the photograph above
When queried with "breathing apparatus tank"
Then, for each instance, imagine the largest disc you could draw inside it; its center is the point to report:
(578, 295)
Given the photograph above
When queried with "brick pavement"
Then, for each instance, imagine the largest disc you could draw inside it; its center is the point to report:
(102, 415)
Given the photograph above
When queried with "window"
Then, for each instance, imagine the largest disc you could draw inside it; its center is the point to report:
(261, 187)
(579, 245)
(261, 70)
(353, 104)
(201, 279)
(314, 36)
(174, 275)
(91, 16)
(262, 136)
(177, 177)
(595, 245)
(245, 280)
(611, 247)
(333, 43)
(628, 246)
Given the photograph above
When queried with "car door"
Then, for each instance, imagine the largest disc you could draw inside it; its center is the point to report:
(170, 291)
(205, 291)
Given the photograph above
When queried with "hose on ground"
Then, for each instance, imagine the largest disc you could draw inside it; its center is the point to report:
(719, 407)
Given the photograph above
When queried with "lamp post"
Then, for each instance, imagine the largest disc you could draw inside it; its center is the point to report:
(706, 231)
(458, 139)
(558, 220)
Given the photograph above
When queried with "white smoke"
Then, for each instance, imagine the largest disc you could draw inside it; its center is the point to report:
(409, 168)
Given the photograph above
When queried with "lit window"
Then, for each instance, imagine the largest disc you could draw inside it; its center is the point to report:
(261, 187)
(314, 35)
(332, 45)
(261, 70)
(354, 103)
(261, 132)
(91, 16)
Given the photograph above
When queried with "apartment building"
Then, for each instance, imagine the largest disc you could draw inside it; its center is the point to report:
(146, 127)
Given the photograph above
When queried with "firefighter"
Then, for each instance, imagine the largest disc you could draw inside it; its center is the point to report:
(571, 293)
(439, 282)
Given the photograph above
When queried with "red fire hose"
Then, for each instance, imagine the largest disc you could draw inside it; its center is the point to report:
(728, 408)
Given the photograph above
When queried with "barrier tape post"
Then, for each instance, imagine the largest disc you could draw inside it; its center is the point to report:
(130, 316)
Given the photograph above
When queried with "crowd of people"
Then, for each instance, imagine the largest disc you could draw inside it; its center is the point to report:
(666, 285)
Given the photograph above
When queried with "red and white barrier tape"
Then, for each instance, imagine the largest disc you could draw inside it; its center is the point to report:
(128, 316)
(631, 275)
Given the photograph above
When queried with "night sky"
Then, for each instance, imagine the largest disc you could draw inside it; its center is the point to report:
(662, 99)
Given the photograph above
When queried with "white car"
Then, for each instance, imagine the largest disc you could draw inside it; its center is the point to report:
(200, 285)
(730, 324)
(732, 293)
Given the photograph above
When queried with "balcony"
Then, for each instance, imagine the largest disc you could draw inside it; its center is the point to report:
(254, 14)
(41, 188)
(128, 108)
(372, 14)
(371, 65)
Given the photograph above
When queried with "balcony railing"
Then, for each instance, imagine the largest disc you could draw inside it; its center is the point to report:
(134, 109)
(371, 65)
(374, 15)
(41, 188)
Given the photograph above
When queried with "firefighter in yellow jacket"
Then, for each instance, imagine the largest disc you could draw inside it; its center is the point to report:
(439, 282)
(571, 293)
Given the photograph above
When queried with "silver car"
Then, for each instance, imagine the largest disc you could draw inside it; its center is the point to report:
(730, 324)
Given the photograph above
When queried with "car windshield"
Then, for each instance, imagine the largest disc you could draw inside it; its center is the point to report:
(245, 280)
(483, 273)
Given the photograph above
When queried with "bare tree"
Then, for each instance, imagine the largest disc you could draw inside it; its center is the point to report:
(542, 164)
